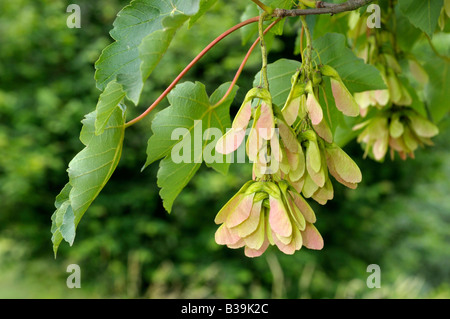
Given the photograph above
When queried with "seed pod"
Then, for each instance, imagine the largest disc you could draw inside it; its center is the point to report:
(418, 72)
(344, 100)
(403, 130)
(323, 130)
(291, 108)
(394, 86)
(313, 106)
(267, 213)
(312, 238)
(392, 63)
(317, 78)
(396, 128)
(421, 125)
(342, 167)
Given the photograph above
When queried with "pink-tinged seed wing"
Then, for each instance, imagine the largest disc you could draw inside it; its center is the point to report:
(422, 126)
(256, 252)
(293, 160)
(395, 89)
(397, 144)
(345, 183)
(237, 245)
(396, 127)
(284, 165)
(304, 207)
(319, 177)
(228, 208)
(298, 239)
(296, 215)
(230, 142)
(261, 164)
(288, 248)
(336, 175)
(380, 147)
(312, 238)
(301, 159)
(295, 175)
(309, 187)
(343, 164)
(243, 116)
(265, 124)
(314, 109)
(254, 144)
(382, 97)
(250, 225)
(365, 99)
(323, 130)
(224, 236)
(256, 239)
(242, 211)
(276, 154)
(268, 229)
(278, 218)
(406, 98)
(418, 72)
(288, 137)
(258, 170)
(285, 240)
(298, 185)
(410, 140)
(313, 157)
(345, 102)
(324, 194)
(290, 112)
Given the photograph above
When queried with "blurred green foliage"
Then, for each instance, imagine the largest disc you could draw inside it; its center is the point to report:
(127, 246)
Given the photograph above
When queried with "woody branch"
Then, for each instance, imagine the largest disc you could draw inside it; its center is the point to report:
(322, 7)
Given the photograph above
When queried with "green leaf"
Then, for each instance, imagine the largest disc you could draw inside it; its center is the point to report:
(193, 113)
(406, 34)
(89, 171)
(333, 116)
(121, 59)
(436, 90)
(416, 104)
(154, 46)
(205, 5)
(62, 204)
(250, 32)
(423, 14)
(358, 76)
(279, 75)
(324, 23)
(68, 226)
(107, 103)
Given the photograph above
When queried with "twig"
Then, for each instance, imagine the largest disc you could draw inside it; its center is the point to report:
(322, 7)
(263, 51)
(188, 67)
(244, 61)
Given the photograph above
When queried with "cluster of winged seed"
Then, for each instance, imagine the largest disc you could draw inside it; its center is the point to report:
(403, 130)
(394, 124)
(267, 213)
(293, 156)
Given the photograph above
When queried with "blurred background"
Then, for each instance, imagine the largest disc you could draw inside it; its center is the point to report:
(126, 245)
